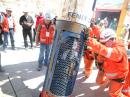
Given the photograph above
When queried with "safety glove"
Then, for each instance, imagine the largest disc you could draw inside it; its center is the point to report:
(86, 35)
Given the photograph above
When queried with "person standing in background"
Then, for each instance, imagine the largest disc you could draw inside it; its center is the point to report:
(45, 33)
(113, 24)
(1, 21)
(5, 28)
(11, 26)
(26, 21)
(39, 18)
(54, 20)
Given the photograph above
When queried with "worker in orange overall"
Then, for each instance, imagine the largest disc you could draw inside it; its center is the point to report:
(126, 88)
(93, 31)
(115, 67)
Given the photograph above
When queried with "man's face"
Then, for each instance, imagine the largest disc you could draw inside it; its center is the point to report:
(40, 13)
(25, 13)
(8, 12)
(109, 43)
(47, 21)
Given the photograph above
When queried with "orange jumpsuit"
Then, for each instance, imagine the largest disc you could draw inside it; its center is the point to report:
(126, 88)
(88, 55)
(115, 66)
(88, 61)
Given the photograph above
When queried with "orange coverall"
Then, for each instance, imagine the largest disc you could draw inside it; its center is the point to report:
(88, 61)
(126, 88)
(115, 67)
(88, 55)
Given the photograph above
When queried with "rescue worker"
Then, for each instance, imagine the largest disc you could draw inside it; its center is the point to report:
(89, 56)
(45, 32)
(95, 31)
(11, 26)
(126, 88)
(5, 29)
(115, 65)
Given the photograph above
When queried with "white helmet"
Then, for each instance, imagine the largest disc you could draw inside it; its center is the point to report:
(102, 21)
(48, 16)
(26, 10)
(9, 9)
(107, 34)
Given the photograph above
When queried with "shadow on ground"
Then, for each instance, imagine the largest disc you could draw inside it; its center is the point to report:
(19, 73)
(88, 89)
(22, 72)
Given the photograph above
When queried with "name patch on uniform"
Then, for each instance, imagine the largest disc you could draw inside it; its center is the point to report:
(47, 34)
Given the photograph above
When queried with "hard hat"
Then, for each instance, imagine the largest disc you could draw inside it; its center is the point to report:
(48, 16)
(99, 19)
(107, 34)
(9, 9)
(26, 10)
(102, 21)
(115, 19)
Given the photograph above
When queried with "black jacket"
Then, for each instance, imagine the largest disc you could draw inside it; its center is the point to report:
(24, 21)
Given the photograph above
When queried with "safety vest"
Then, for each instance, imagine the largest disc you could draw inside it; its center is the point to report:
(47, 35)
(5, 25)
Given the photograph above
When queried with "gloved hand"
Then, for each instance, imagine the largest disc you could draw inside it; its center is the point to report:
(86, 36)
(94, 44)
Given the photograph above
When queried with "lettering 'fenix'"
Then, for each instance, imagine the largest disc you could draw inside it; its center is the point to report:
(77, 15)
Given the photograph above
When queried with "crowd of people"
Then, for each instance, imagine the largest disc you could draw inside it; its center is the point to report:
(8, 27)
(43, 32)
(107, 23)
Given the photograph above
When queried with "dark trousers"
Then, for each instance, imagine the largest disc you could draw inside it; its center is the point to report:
(34, 34)
(5, 42)
(11, 34)
(27, 32)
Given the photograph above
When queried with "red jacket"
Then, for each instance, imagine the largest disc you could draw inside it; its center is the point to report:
(5, 25)
(47, 35)
(38, 20)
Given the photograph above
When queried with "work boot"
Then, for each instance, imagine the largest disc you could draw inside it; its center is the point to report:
(39, 68)
(13, 48)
